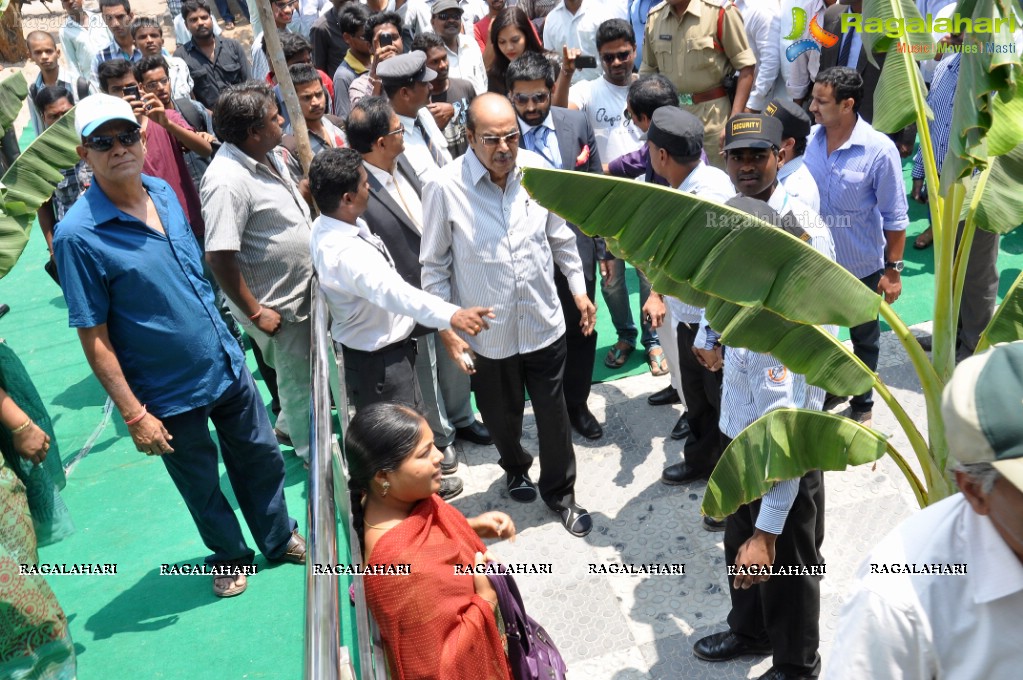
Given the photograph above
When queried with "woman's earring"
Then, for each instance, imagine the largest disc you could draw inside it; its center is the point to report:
(385, 487)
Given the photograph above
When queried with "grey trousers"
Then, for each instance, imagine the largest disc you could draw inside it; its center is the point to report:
(446, 390)
(980, 288)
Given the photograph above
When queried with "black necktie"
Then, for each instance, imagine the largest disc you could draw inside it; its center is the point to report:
(438, 158)
(843, 53)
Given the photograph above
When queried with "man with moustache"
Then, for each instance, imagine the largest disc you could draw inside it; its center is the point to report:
(486, 239)
(145, 315)
(777, 615)
(215, 62)
(566, 141)
(465, 60)
(449, 97)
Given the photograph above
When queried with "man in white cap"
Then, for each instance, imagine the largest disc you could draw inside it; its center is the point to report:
(942, 595)
(133, 281)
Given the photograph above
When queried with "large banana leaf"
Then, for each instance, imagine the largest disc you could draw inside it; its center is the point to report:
(1007, 323)
(715, 249)
(809, 350)
(1001, 208)
(30, 182)
(906, 12)
(786, 444)
(13, 91)
(988, 95)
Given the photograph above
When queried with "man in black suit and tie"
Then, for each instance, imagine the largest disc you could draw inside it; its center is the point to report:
(394, 212)
(565, 139)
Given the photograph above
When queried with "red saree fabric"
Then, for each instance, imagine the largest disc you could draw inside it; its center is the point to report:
(432, 622)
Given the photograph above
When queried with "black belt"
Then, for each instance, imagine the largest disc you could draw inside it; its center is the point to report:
(401, 345)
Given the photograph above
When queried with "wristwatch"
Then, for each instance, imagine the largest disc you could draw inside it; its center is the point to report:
(897, 265)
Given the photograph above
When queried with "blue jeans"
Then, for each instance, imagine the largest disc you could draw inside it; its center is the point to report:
(616, 297)
(225, 10)
(254, 467)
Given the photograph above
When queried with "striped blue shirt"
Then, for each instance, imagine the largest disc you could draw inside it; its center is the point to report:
(862, 194)
(492, 247)
(940, 98)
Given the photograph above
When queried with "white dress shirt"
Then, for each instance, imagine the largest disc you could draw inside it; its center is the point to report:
(467, 63)
(371, 305)
(416, 151)
(400, 191)
(763, 28)
(492, 247)
(562, 28)
(934, 626)
(800, 184)
(800, 73)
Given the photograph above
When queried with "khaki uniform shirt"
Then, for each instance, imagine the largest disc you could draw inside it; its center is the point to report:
(683, 50)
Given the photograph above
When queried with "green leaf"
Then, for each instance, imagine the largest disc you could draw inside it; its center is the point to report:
(895, 89)
(786, 444)
(1000, 209)
(906, 12)
(30, 182)
(13, 91)
(1007, 323)
(715, 249)
(809, 350)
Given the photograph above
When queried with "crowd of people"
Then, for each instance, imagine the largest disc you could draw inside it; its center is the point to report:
(189, 232)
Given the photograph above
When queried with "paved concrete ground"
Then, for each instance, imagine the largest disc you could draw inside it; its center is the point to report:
(624, 627)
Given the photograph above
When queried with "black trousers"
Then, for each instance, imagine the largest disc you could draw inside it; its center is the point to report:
(388, 374)
(500, 386)
(866, 342)
(581, 349)
(784, 610)
(702, 392)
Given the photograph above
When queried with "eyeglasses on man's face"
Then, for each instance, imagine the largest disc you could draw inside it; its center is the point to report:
(104, 143)
(152, 85)
(400, 130)
(511, 139)
(538, 98)
(453, 15)
(285, 4)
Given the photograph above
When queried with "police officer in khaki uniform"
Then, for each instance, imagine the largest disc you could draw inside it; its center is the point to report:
(682, 43)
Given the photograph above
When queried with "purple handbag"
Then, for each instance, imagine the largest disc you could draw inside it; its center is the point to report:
(532, 654)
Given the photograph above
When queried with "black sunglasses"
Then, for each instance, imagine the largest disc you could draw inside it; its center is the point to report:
(610, 57)
(449, 16)
(538, 98)
(104, 143)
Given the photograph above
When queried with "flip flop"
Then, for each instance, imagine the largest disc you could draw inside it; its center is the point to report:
(924, 240)
(618, 354)
(229, 586)
(658, 362)
(229, 26)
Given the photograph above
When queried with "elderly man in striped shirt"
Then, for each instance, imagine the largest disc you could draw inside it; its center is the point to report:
(485, 239)
(778, 615)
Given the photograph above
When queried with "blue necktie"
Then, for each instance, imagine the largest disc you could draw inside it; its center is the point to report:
(843, 52)
(536, 141)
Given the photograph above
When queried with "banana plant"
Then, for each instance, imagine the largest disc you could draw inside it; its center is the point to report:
(768, 291)
(32, 178)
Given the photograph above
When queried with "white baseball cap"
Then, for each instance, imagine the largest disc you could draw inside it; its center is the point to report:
(97, 109)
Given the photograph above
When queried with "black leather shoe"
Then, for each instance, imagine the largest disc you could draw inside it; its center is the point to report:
(477, 433)
(715, 525)
(778, 674)
(575, 518)
(681, 429)
(521, 488)
(449, 463)
(665, 397)
(832, 400)
(727, 645)
(584, 422)
(682, 473)
(926, 342)
(450, 487)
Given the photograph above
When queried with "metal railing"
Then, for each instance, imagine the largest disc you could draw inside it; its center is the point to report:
(329, 503)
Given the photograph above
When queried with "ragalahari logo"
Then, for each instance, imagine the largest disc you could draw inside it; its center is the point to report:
(818, 36)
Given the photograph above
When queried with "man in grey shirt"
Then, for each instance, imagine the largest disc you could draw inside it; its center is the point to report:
(257, 243)
(484, 238)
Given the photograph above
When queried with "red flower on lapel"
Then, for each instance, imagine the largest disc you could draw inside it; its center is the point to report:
(583, 156)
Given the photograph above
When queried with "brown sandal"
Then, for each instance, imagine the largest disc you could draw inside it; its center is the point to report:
(658, 362)
(229, 585)
(618, 354)
(924, 240)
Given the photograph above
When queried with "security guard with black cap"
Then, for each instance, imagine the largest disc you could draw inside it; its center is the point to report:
(696, 44)
(775, 614)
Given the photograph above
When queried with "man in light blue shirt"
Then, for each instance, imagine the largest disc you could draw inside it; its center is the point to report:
(863, 201)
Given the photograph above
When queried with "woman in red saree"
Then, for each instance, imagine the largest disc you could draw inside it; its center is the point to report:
(434, 623)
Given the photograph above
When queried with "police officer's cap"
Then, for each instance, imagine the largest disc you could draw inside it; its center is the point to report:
(678, 132)
(405, 68)
(752, 131)
(795, 122)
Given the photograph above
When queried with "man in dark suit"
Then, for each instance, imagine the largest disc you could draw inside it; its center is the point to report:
(395, 214)
(565, 139)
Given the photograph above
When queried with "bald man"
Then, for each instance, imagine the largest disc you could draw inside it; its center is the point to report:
(506, 246)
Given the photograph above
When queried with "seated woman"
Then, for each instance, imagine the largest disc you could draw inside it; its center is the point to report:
(434, 623)
(511, 34)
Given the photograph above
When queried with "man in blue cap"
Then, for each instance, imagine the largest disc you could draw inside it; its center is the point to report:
(133, 281)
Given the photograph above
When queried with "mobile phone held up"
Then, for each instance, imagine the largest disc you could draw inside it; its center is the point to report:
(584, 61)
(131, 91)
(386, 39)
